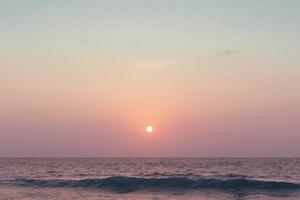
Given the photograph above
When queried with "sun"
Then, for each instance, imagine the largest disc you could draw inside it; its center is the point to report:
(149, 129)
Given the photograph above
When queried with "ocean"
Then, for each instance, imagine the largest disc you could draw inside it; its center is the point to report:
(150, 178)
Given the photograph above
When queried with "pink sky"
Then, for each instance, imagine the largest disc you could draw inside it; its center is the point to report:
(85, 79)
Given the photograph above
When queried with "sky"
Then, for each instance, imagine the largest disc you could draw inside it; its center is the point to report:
(213, 78)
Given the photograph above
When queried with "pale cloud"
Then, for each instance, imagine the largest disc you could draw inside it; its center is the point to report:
(227, 52)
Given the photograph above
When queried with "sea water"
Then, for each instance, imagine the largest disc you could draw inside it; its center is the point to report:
(150, 178)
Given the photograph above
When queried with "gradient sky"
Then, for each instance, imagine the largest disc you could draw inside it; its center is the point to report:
(214, 78)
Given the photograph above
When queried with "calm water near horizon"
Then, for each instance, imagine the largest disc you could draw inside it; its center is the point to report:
(150, 178)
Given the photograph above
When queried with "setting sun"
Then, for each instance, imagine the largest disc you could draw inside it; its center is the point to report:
(149, 129)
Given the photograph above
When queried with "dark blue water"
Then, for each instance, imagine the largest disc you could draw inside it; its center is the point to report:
(128, 178)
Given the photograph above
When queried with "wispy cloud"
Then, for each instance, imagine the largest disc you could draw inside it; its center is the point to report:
(226, 52)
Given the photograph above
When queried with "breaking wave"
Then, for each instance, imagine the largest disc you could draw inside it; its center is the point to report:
(131, 184)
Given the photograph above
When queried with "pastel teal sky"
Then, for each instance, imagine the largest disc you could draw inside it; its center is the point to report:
(214, 78)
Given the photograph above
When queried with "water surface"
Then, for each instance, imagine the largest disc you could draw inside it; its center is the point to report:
(150, 178)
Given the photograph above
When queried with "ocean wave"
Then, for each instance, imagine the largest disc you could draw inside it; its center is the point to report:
(131, 184)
